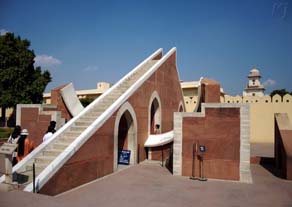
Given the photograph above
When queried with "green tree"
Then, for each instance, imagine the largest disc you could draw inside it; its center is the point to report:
(20, 82)
(281, 92)
(86, 101)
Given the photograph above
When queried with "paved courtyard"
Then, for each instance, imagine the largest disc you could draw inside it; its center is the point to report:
(145, 185)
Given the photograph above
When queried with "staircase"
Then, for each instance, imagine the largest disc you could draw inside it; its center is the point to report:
(53, 149)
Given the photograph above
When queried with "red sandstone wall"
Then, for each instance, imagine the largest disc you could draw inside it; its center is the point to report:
(36, 124)
(95, 158)
(219, 131)
(283, 152)
(211, 91)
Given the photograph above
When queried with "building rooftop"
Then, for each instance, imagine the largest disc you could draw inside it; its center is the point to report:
(254, 73)
(190, 84)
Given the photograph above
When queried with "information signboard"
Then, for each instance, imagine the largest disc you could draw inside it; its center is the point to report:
(7, 148)
(124, 157)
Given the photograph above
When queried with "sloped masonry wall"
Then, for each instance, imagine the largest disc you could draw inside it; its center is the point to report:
(95, 158)
(283, 146)
(224, 130)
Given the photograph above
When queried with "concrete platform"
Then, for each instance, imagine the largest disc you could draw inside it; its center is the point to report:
(146, 185)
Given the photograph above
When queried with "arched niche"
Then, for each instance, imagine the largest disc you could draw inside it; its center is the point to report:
(180, 107)
(154, 112)
(125, 133)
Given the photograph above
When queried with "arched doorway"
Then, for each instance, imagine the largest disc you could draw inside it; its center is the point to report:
(154, 116)
(125, 136)
(154, 113)
(126, 132)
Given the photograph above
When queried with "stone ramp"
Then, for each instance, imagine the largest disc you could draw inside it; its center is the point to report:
(52, 154)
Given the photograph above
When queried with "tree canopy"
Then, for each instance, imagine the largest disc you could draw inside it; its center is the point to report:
(20, 82)
(281, 92)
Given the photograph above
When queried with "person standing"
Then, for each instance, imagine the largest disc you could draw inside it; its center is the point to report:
(25, 145)
(49, 133)
(15, 135)
(13, 139)
(53, 125)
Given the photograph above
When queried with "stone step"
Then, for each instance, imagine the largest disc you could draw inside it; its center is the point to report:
(44, 159)
(121, 88)
(77, 128)
(101, 103)
(108, 102)
(124, 85)
(67, 140)
(39, 167)
(71, 134)
(83, 123)
(136, 75)
(87, 119)
(111, 98)
(52, 152)
(59, 146)
(91, 116)
(97, 111)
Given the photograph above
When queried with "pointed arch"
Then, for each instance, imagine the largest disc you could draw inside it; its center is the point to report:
(181, 107)
(125, 133)
(154, 112)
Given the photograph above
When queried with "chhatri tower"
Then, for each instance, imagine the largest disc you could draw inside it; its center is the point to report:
(254, 87)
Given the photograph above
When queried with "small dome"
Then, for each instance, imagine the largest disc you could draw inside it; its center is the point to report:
(254, 72)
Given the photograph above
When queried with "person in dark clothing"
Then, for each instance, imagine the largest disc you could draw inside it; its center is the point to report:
(52, 126)
(13, 139)
(15, 135)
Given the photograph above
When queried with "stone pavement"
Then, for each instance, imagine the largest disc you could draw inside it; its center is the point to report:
(146, 185)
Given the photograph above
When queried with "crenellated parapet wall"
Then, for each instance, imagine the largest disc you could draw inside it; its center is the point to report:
(276, 99)
(262, 110)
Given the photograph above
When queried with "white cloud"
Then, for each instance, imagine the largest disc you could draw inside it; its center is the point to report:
(269, 83)
(3, 32)
(46, 60)
(91, 68)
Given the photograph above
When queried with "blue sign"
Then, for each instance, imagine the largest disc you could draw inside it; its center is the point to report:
(124, 157)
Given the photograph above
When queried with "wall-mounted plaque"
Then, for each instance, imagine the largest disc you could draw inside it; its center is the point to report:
(7, 148)
(124, 157)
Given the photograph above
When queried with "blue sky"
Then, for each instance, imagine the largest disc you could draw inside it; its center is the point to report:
(85, 42)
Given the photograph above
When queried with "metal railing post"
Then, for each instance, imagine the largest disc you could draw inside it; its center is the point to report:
(33, 177)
